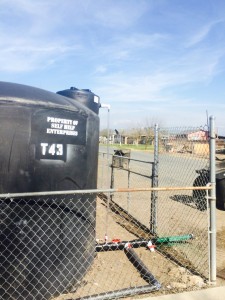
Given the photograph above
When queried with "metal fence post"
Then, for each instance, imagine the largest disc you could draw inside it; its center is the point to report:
(107, 106)
(212, 201)
(154, 194)
(128, 185)
(112, 177)
(102, 173)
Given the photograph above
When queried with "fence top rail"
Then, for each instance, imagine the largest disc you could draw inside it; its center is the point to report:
(126, 157)
(97, 191)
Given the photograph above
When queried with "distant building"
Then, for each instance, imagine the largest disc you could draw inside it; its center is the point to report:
(201, 135)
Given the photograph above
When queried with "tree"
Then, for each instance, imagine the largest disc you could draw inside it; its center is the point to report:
(104, 132)
(149, 126)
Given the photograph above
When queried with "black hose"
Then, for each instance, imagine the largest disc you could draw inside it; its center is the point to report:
(140, 266)
(120, 293)
(219, 159)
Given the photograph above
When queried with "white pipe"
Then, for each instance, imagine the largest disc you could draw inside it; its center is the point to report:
(105, 106)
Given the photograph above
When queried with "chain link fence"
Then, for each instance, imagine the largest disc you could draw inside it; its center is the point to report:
(144, 230)
(46, 244)
(86, 245)
(183, 161)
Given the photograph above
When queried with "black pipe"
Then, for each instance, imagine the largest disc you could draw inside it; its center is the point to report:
(120, 293)
(120, 245)
(140, 266)
(143, 243)
(154, 285)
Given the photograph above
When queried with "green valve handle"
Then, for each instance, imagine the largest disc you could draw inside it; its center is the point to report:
(173, 239)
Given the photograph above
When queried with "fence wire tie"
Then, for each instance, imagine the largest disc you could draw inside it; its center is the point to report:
(212, 198)
(212, 231)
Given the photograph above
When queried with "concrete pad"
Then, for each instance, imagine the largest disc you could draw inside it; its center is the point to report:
(214, 293)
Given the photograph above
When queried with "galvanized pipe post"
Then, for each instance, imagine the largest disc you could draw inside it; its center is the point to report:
(102, 173)
(154, 194)
(107, 106)
(212, 200)
(128, 194)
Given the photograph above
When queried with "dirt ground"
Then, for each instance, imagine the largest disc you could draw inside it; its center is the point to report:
(113, 271)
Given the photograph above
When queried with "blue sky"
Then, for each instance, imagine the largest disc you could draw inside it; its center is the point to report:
(152, 60)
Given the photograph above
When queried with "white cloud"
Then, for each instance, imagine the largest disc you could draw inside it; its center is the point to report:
(118, 14)
(100, 69)
(27, 54)
(151, 86)
(32, 35)
(26, 43)
(126, 47)
(202, 33)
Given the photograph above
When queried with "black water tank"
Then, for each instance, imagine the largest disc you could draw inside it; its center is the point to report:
(48, 142)
(220, 189)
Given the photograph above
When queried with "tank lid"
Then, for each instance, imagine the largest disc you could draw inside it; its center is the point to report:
(73, 88)
(83, 96)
